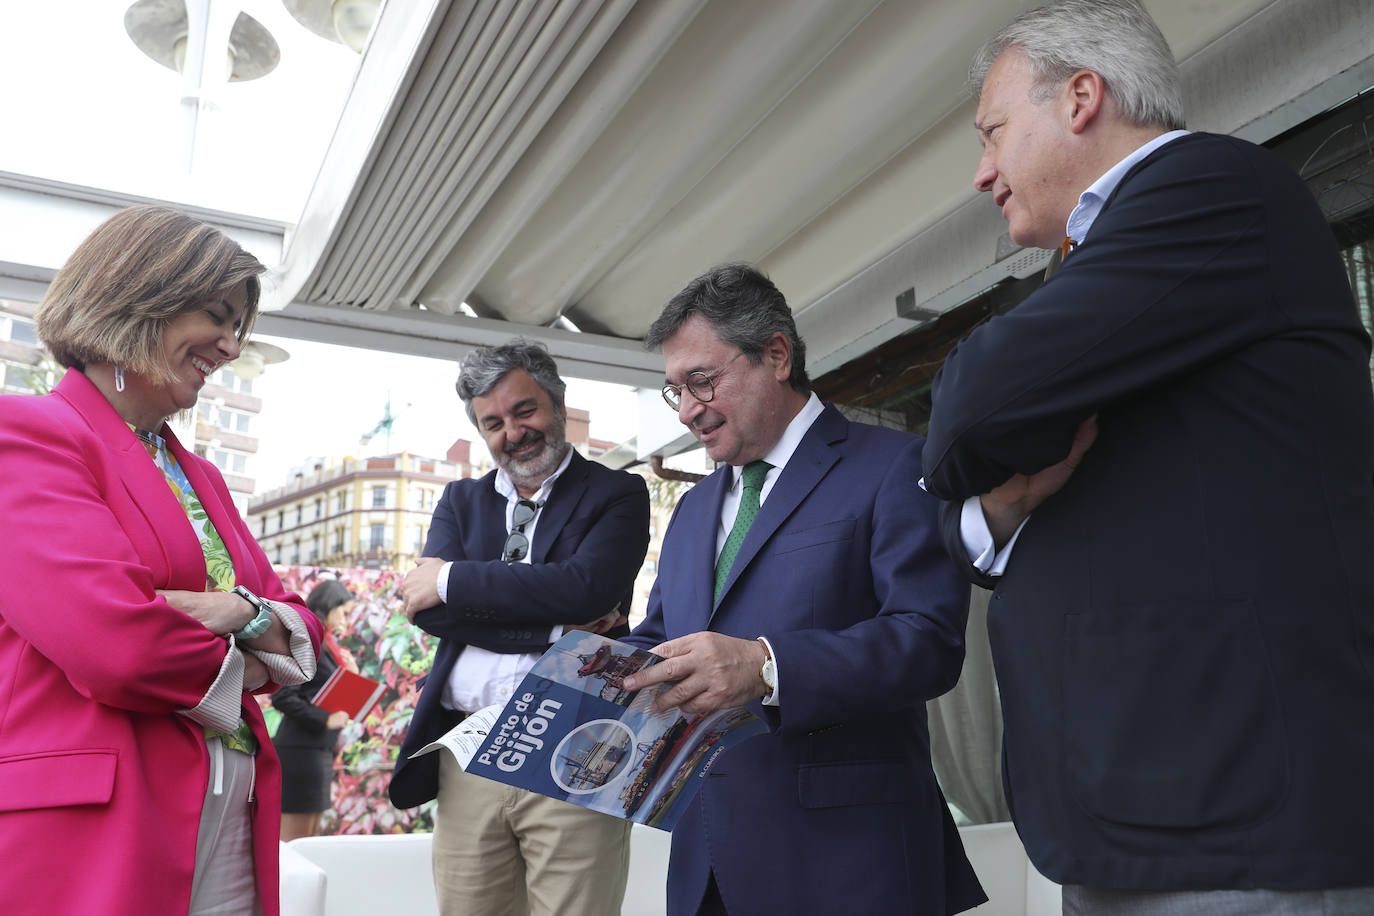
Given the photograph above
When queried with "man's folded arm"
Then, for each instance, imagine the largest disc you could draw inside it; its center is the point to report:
(1012, 395)
(502, 638)
(573, 590)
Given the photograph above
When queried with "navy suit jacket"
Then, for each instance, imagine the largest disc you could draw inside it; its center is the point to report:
(836, 811)
(589, 543)
(1184, 636)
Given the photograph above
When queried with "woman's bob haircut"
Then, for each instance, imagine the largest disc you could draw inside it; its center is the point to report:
(137, 271)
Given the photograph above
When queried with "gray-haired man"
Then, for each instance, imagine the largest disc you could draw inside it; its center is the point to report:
(547, 542)
(1162, 460)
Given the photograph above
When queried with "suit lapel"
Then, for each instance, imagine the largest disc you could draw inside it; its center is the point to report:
(144, 483)
(701, 568)
(567, 492)
(489, 527)
(813, 459)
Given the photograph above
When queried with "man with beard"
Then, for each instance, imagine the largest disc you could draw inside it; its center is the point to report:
(545, 543)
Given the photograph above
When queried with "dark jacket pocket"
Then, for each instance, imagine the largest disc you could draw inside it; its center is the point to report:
(57, 779)
(828, 533)
(1171, 717)
(867, 782)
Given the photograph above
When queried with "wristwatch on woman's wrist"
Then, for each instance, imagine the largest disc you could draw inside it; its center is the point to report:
(259, 624)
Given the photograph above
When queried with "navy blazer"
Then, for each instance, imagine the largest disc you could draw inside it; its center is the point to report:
(836, 811)
(588, 546)
(1184, 636)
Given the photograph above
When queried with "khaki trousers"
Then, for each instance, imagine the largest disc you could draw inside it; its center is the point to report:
(500, 851)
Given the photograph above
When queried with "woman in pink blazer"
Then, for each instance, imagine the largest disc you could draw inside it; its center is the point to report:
(137, 614)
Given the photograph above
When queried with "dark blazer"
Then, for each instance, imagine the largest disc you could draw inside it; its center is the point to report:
(836, 811)
(1184, 636)
(302, 722)
(589, 543)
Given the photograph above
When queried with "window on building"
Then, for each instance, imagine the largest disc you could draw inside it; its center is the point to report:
(338, 541)
(379, 497)
(20, 330)
(228, 379)
(315, 549)
(226, 418)
(225, 460)
(319, 508)
(377, 536)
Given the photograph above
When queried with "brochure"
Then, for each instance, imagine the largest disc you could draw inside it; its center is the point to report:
(573, 732)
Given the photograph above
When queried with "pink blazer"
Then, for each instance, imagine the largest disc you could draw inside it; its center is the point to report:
(101, 781)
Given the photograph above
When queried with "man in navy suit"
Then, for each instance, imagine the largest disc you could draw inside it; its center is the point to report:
(1162, 459)
(547, 542)
(838, 609)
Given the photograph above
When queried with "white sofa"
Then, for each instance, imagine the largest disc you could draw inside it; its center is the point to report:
(368, 875)
(1013, 886)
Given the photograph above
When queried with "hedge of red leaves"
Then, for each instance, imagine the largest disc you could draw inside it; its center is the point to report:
(390, 650)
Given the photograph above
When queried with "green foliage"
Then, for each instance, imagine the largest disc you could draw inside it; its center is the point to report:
(665, 493)
(42, 377)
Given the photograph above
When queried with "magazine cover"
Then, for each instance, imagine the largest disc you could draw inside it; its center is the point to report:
(573, 732)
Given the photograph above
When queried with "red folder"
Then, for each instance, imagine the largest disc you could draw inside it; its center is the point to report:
(350, 693)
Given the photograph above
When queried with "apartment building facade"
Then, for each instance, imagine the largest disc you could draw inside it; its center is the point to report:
(367, 513)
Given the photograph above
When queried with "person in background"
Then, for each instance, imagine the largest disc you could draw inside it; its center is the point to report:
(805, 577)
(547, 542)
(1162, 460)
(137, 614)
(307, 735)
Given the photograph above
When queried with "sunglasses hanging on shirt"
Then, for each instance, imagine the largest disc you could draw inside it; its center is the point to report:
(517, 544)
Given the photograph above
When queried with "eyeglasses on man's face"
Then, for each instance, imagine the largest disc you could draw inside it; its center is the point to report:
(702, 385)
(517, 544)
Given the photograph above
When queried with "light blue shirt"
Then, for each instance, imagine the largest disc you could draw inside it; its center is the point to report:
(973, 527)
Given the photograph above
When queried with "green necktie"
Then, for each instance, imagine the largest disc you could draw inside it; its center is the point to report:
(754, 473)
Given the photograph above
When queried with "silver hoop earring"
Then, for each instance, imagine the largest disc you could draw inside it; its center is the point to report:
(119, 378)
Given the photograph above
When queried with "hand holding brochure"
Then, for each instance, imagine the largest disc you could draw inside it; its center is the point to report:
(345, 691)
(573, 732)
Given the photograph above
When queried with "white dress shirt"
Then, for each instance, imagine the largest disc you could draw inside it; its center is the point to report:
(482, 678)
(973, 526)
(778, 456)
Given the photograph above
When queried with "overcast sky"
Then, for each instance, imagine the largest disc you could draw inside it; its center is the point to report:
(325, 397)
(84, 105)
